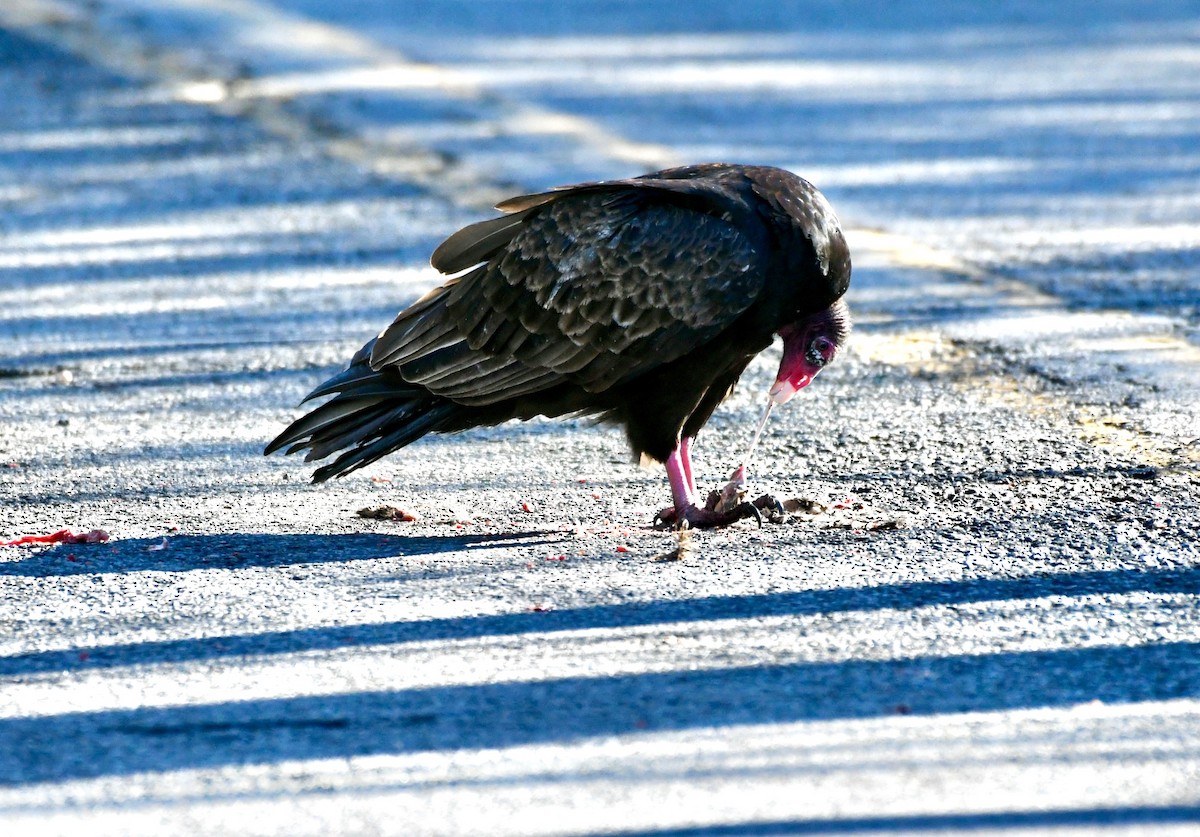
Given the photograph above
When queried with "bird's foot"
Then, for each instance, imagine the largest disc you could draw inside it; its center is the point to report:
(734, 495)
(771, 508)
(724, 501)
(694, 517)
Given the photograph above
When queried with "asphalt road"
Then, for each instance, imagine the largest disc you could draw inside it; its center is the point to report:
(989, 624)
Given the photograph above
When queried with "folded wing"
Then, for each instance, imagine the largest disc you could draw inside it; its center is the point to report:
(593, 286)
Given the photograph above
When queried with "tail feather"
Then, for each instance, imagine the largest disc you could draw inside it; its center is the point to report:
(370, 415)
(335, 437)
(331, 412)
(394, 436)
(360, 374)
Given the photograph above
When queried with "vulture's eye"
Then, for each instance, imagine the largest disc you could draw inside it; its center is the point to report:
(820, 352)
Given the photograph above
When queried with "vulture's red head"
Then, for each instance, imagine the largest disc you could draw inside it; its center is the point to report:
(809, 344)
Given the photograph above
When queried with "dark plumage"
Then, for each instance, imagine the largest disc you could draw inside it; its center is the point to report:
(639, 301)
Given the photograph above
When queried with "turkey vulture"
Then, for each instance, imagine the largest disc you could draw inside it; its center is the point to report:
(638, 301)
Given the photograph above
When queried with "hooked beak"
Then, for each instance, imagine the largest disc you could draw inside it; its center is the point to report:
(786, 387)
(808, 346)
(795, 372)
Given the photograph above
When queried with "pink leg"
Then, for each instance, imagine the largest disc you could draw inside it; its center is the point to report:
(685, 510)
(683, 492)
(685, 458)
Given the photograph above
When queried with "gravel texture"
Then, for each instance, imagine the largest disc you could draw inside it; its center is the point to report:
(986, 620)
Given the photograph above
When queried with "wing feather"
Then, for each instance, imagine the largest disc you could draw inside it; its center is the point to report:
(477, 242)
(419, 329)
(428, 370)
(590, 286)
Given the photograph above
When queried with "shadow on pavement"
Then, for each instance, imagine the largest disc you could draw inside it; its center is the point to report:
(508, 714)
(261, 550)
(239, 551)
(1082, 818)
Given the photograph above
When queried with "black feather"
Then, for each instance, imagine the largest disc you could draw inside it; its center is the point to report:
(476, 243)
(639, 300)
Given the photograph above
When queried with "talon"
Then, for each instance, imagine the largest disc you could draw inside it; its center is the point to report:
(664, 519)
(768, 501)
(748, 510)
(694, 517)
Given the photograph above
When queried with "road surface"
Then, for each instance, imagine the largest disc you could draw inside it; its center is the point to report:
(988, 624)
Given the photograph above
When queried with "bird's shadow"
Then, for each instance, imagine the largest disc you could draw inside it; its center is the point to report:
(184, 553)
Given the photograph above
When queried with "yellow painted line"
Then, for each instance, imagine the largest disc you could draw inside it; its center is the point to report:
(928, 352)
(875, 246)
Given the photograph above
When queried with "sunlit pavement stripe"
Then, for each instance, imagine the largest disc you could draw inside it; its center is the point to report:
(189, 77)
(1041, 767)
(1044, 624)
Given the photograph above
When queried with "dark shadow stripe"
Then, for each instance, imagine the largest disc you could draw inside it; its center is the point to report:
(1088, 817)
(494, 715)
(206, 552)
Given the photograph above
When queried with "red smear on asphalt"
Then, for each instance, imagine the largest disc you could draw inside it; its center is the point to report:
(61, 536)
